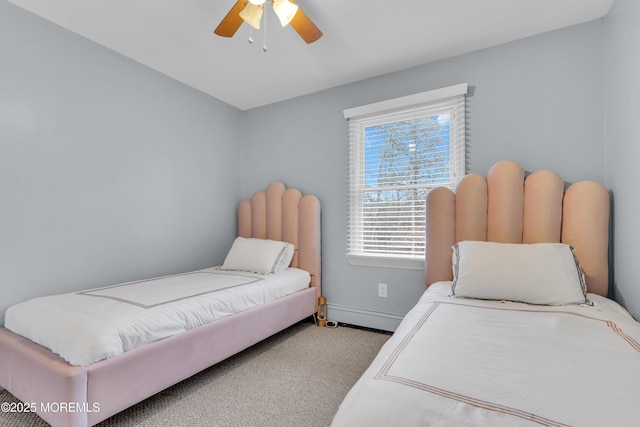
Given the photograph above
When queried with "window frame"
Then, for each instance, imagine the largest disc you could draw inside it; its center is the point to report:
(359, 118)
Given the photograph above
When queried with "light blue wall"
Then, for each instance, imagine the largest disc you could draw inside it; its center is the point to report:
(622, 42)
(539, 101)
(109, 171)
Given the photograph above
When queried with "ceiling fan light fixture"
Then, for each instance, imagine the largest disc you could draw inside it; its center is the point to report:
(285, 10)
(252, 14)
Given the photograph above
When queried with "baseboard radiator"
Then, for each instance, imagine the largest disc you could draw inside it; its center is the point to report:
(360, 317)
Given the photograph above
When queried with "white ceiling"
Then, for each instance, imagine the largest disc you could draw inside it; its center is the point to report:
(362, 38)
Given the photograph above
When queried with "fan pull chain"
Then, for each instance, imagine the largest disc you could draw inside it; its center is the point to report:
(250, 35)
(264, 47)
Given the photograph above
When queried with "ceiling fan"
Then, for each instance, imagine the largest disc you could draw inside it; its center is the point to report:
(250, 11)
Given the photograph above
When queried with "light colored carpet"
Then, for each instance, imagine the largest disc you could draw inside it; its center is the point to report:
(295, 378)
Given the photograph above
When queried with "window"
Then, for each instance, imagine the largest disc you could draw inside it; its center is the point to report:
(398, 151)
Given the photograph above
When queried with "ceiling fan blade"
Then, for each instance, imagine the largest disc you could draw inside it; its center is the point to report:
(304, 27)
(231, 21)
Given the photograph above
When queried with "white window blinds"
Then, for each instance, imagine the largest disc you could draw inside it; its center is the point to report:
(398, 151)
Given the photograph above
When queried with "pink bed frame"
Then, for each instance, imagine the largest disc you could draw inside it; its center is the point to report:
(509, 208)
(34, 374)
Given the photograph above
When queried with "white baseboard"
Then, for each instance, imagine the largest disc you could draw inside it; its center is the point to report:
(367, 318)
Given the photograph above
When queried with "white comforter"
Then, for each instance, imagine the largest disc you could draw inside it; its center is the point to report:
(89, 326)
(455, 361)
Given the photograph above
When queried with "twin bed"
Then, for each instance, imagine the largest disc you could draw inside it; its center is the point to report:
(514, 328)
(77, 359)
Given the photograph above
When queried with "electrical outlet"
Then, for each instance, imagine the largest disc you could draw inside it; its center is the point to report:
(382, 290)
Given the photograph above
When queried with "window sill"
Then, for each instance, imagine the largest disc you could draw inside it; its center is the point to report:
(386, 262)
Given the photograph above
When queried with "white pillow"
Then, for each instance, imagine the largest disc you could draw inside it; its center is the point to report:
(286, 259)
(539, 273)
(259, 255)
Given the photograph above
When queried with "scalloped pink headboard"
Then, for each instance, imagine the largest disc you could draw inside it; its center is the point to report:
(285, 214)
(506, 207)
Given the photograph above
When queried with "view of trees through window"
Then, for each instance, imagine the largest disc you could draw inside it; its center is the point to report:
(399, 150)
(403, 161)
